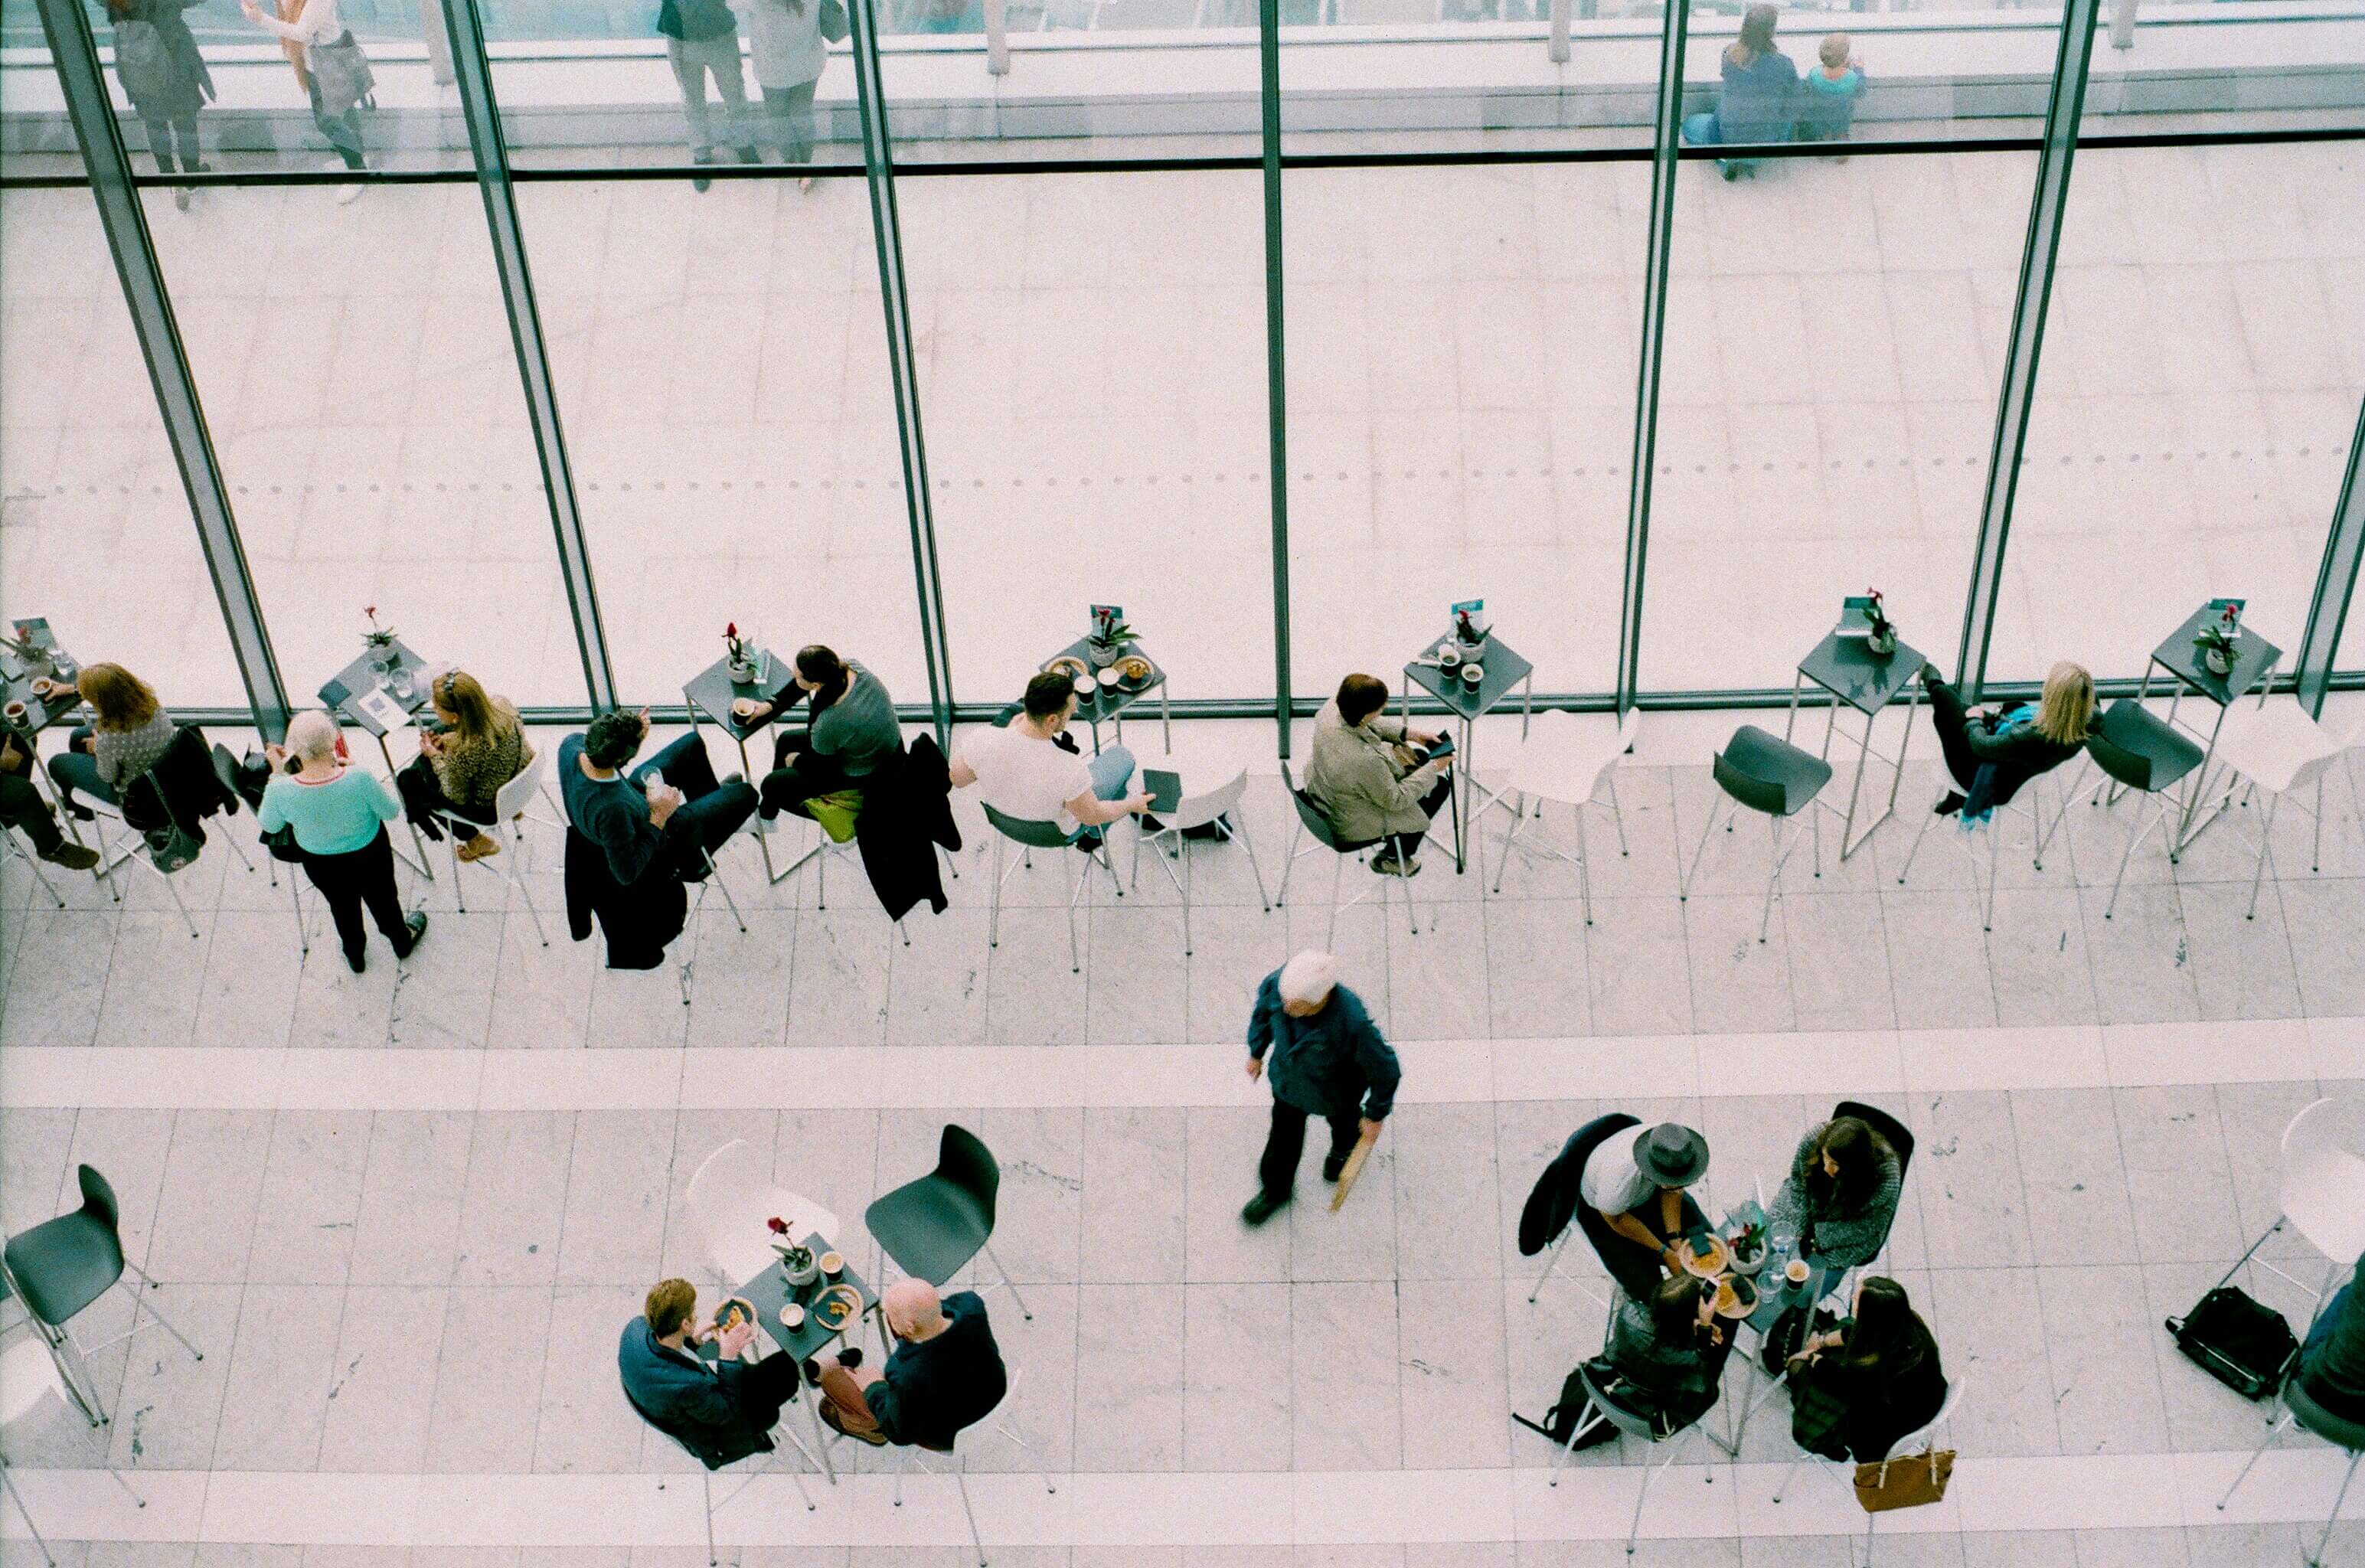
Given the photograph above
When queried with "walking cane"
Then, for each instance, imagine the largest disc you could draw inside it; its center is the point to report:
(1354, 1166)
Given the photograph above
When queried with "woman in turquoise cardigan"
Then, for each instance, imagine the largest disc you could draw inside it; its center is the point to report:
(338, 814)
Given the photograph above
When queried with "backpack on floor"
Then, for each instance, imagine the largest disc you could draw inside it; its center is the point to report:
(2242, 1343)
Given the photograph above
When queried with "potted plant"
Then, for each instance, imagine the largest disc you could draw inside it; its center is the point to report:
(2216, 642)
(1107, 642)
(739, 661)
(1749, 1249)
(1468, 635)
(1882, 643)
(796, 1259)
(379, 641)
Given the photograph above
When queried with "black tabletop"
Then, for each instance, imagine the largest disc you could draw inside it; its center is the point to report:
(711, 691)
(1108, 701)
(40, 715)
(2254, 658)
(1500, 670)
(1845, 668)
(769, 1291)
(360, 675)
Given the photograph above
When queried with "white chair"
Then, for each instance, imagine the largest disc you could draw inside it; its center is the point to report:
(1218, 809)
(732, 1196)
(1566, 760)
(2323, 1192)
(706, 1472)
(1604, 1408)
(2032, 813)
(1900, 1451)
(1031, 836)
(1311, 820)
(29, 1380)
(510, 803)
(908, 1454)
(2281, 752)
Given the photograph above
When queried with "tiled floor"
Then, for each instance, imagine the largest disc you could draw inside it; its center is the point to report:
(407, 1244)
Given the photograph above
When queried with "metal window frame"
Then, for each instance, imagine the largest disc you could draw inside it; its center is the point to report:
(2336, 585)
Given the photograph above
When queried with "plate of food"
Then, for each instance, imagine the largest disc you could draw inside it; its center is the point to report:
(837, 1306)
(732, 1311)
(1707, 1257)
(1134, 670)
(1068, 665)
(1736, 1297)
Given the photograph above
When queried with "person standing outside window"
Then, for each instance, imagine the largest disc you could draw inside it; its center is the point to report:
(702, 39)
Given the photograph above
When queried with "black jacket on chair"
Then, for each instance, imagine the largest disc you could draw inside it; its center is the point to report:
(638, 919)
(906, 812)
(677, 1395)
(1553, 1202)
(181, 789)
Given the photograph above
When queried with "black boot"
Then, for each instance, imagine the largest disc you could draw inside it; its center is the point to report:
(1263, 1207)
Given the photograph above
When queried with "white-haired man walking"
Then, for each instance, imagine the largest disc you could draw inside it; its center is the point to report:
(1328, 1060)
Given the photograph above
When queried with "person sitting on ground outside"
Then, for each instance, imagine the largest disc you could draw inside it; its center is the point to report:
(1364, 780)
(2332, 1363)
(1828, 99)
(1021, 772)
(1857, 1387)
(1840, 1194)
(1665, 1353)
(22, 808)
(129, 734)
(1757, 101)
(1991, 754)
(1635, 1181)
(944, 1373)
(480, 748)
(852, 726)
(339, 815)
(670, 814)
(722, 1409)
(1328, 1060)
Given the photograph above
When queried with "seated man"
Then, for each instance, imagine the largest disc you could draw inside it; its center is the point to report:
(2332, 1362)
(22, 808)
(1022, 772)
(851, 730)
(1365, 784)
(1635, 1181)
(672, 825)
(946, 1372)
(722, 1409)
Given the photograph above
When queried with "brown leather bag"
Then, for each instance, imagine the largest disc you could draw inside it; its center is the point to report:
(1910, 1481)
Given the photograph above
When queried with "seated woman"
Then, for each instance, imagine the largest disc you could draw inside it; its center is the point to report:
(1668, 1351)
(1991, 756)
(1362, 781)
(1759, 98)
(129, 734)
(1841, 1196)
(339, 815)
(1857, 1388)
(461, 769)
(850, 728)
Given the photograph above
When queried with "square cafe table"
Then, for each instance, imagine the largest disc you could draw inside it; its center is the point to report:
(1502, 669)
(2254, 660)
(360, 676)
(769, 1291)
(1110, 702)
(711, 691)
(41, 714)
(1852, 673)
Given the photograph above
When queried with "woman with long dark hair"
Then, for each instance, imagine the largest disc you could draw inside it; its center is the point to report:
(1759, 99)
(157, 62)
(1858, 1387)
(1841, 1196)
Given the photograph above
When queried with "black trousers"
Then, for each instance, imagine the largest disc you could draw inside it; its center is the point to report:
(760, 1390)
(798, 772)
(711, 810)
(1285, 1145)
(360, 878)
(1953, 723)
(22, 808)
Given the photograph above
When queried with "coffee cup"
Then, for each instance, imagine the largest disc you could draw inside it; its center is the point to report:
(832, 1264)
(1795, 1271)
(1109, 677)
(1449, 657)
(793, 1316)
(15, 710)
(1473, 674)
(1084, 687)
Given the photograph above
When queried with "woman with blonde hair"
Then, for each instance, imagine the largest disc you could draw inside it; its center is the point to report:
(129, 734)
(481, 746)
(1993, 755)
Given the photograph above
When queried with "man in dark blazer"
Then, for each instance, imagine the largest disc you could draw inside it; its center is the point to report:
(720, 1409)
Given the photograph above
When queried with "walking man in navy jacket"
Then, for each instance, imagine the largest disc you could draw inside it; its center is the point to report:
(1327, 1060)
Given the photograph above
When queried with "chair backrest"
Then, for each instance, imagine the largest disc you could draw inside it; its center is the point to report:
(2324, 1177)
(225, 770)
(99, 1198)
(1911, 1443)
(515, 796)
(1033, 835)
(1899, 1137)
(1765, 795)
(2131, 769)
(965, 1163)
(2326, 1424)
(1617, 1414)
(722, 1201)
(1198, 811)
(707, 1459)
(1309, 814)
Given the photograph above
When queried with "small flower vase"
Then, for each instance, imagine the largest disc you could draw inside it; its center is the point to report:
(1751, 1263)
(383, 658)
(2217, 660)
(1882, 644)
(1102, 654)
(741, 669)
(798, 1278)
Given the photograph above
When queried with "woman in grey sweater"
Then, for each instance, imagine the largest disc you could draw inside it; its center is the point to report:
(852, 730)
(130, 734)
(1841, 1196)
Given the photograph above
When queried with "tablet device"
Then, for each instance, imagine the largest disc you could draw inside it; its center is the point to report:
(1444, 747)
(1165, 789)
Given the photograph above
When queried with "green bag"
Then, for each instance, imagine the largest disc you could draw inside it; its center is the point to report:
(835, 813)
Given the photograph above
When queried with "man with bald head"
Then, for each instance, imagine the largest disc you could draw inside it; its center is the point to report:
(946, 1372)
(1328, 1060)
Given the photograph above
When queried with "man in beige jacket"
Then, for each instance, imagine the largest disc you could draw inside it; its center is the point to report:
(1365, 783)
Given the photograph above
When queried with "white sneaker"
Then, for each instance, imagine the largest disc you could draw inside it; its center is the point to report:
(348, 195)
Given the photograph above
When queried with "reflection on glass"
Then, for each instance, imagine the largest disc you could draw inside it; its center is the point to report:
(95, 528)
(2200, 381)
(356, 368)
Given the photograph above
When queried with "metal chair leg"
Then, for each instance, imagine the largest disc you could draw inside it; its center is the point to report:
(1254, 869)
(2272, 1433)
(1927, 818)
(2315, 1558)
(1004, 1273)
(34, 1531)
(1518, 820)
(1583, 863)
(1552, 1261)
(1337, 870)
(706, 1491)
(140, 1300)
(1683, 882)
(2128, 854)
(2266, 855)
(960, 1483)
(1635, 1528)
(1616, 812)
(1288, 866)
(993, 920)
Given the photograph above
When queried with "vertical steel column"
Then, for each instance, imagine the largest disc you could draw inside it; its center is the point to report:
(1276, 379)
(2047, 211)
(119, 213)
(1668, 130)
(2336, 583)
(879, 165)
(492, 155)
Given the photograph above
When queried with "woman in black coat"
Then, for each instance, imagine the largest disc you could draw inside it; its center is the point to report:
(156, 61)
(1859, 1387)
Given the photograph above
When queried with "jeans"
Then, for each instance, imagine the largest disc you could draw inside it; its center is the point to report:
(791, 111)
(693, 59)
(358, 878)
(343, 131)
(1285, 1145)
(73, 770)
(163, 133)
(711, 810)
(1112, 776)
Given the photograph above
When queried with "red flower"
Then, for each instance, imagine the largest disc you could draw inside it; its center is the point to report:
(730, 629)
(779, 1226)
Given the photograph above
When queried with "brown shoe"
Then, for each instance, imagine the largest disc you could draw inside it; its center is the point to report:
(72, 856)
(477, 848)
(830, 1418)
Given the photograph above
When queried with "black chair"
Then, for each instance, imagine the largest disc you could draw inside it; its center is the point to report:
(932, 1226)
(711, 1460)
(1312, 820)
(1763, 774)
(2140, 751)
(62, 1265)
(172, 797)
(1898, 1137)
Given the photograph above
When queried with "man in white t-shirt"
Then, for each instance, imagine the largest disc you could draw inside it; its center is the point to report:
(1021, 773)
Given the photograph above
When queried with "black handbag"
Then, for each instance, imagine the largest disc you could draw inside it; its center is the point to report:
(2242, 1343)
